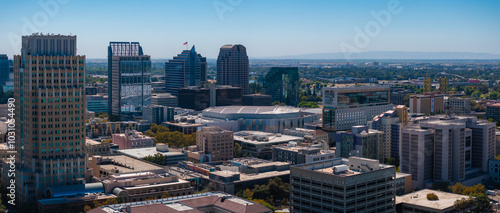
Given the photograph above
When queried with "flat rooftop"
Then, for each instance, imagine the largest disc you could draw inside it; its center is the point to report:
(92, 142)
(270, 138)
(188, 203)
(128, 164)
(140, 153)
(419, 198)
(252, 110)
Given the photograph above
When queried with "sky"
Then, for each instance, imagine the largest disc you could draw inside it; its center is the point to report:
(267, 28)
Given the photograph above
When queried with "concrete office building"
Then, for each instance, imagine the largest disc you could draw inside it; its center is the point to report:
(390, 123)
(427, 104)
(455, 149)
(217, 142)
(204, 202)
(164, 99)
(186, 69)
(260, 144)
(294, 154)
(349, 106)
(342, 185)
(282, 84)
(50, 103)
(129, 79)
(459, 106)
(158, 114)
(257, 100)
(361, 142)
(232, 67)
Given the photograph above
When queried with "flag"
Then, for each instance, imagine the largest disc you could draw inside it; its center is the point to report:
(185, 43)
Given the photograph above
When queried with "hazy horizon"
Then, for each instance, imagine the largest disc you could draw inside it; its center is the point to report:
(267, 28)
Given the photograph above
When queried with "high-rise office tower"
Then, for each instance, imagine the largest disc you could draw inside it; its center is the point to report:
(129, 79)
(4, 68)
(282, 84)
(447, 149)
(232, 67)
(186, 69)
(343, 185)
(50, 115)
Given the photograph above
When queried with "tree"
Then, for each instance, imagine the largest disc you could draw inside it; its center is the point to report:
(87, 208)
(476, 94)
(278, 103)
(247, 194)
(165, 195)
(237, 150)
(432, 196)
(157, 158)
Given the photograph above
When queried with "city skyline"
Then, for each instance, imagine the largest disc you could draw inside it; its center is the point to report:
(291, 28)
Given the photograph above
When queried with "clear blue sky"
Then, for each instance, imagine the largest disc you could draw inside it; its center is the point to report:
(265, 27)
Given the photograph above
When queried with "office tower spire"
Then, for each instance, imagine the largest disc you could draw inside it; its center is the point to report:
(129, 79)
(49, 81)
(186, 69)
(232, 67)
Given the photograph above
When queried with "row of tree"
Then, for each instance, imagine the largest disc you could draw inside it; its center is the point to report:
(275, 193)
(173, 138)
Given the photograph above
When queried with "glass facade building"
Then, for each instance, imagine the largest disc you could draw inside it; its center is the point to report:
(349, 106)
(186, 69)
(129, 79)
(282, 84)
(4, 69)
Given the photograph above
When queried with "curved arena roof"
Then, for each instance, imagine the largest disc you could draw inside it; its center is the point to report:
(251, 112)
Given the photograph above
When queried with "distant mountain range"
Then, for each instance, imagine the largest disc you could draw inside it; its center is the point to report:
(395, 55)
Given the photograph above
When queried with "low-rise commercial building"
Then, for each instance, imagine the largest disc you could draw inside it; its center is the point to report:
(106, 165)
(216, 142)
(260, 144)
(172, 156)
(205, 202)
(164, 99)
(93, 147)
(418, 202)
(294, 154)
(143, 186)
(459, 106)
(132, 139)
